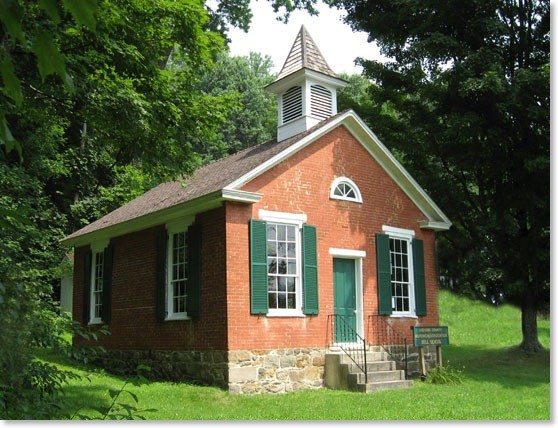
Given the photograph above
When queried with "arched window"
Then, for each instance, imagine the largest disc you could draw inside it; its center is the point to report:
(345, 189)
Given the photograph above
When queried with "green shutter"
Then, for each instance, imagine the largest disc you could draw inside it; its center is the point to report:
(419, 277)
(194, 271)
(384, 274)
(258, 267)
(161, 280)
(87, 287)
(107, 283)
(310, 269)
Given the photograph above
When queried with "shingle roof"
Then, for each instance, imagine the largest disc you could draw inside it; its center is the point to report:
(204, 181)
(304, 54)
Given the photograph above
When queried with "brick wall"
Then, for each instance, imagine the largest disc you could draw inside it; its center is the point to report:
(134, 325)
(301, 184)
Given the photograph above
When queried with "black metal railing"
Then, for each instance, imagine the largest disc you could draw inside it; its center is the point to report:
(344, 336)
(381, 333)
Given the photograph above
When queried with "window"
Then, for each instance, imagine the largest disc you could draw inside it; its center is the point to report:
(283, 257)
(97, 288)
(178, 271)
(401, 279)
(400, 275)
(98, 283)
(177, 275)
(345, 189)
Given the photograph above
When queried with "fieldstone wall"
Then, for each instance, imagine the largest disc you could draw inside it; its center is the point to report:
(200, 367)
(413, 359)
(275, 371)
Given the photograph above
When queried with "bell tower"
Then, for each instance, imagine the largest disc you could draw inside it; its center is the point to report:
(306, 88)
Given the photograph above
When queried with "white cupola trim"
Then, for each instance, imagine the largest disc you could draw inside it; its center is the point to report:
(306, 88)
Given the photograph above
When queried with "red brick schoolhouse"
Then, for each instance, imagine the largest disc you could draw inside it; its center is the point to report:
(264, 271)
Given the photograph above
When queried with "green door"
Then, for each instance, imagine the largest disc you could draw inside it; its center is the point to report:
(344, 300)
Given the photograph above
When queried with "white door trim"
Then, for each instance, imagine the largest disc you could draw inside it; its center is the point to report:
(357, 256)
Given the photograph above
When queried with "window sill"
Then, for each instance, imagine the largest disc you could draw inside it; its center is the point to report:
(286, 315)
(96, 322)
(178, 317)
(403, 316)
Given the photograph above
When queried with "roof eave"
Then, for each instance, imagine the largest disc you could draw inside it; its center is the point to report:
(435, 217)
(295, 77)
(192, 207)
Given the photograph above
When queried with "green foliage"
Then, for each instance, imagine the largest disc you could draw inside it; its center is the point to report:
(464, 103)
(252, 115)
(444, 375)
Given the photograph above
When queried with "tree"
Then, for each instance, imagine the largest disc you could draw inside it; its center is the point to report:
(252, 118)
(89, 117)
(468, 110)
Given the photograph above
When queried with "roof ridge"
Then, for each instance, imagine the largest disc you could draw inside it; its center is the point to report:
(304, 53)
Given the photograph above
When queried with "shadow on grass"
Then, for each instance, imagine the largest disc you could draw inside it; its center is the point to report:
(509, 367)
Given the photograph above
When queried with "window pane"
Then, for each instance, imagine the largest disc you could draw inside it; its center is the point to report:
(291, 284)
(282, 284)
(291, 301)
(271, 265)
(272, 300)
(291, 233)
(282, 249)
(272, 283)
(282, 267)
(271, 232)
(271, 248)
(282, 301)
(291, 250)
(281, 232)
(292, 267)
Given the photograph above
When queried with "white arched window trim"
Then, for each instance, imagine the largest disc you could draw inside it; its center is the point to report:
(344, 183)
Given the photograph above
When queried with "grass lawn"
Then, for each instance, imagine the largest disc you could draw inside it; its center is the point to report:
(498, 382)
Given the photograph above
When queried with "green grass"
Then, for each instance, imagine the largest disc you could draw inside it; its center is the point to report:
(499, 383)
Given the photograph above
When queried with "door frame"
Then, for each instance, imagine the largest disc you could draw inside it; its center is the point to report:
(357, 256)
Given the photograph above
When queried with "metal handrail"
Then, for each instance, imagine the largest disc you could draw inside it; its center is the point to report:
(386, 337)
(356, 350)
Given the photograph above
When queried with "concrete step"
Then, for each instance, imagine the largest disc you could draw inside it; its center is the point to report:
(373, 366)
(370, 357)
(374, 377)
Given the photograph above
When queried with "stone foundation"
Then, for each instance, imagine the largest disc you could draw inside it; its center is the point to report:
(276, 371)
(413, 359)
(199, 367)
(241, 372)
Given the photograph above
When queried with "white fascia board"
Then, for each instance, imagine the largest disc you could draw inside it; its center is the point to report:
(242, 196)
(396, 171)
(180, 212)
(344, 253)
(303, 74)
(377, 150)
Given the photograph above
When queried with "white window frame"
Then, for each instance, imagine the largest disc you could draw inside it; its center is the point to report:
(175, 228)
(96, 249)
(297, 220)
(351, 184)
(406, 235)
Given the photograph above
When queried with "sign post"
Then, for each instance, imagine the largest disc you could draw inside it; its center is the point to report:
(430, 335)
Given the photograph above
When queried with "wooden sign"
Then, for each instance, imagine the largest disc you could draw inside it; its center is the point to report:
(430, 335)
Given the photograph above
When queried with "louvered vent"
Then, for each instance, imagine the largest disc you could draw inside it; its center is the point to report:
(292, 104)
(321, 102)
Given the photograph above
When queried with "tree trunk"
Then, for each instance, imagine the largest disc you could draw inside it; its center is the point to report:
(530, 341)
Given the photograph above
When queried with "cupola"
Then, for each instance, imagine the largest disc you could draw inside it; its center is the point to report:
(306, 88)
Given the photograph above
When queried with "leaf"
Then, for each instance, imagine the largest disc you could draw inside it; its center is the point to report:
(83, 11)
(7, 138)
(11, 15)
(51, 8)
(113, 392)
(49, 58)
(134, 396)
(12, 86)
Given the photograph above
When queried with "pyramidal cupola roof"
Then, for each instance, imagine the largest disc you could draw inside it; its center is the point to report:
(304, 54)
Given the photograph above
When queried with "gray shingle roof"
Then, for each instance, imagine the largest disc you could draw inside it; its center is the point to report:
(204, 181)
(304, 54)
